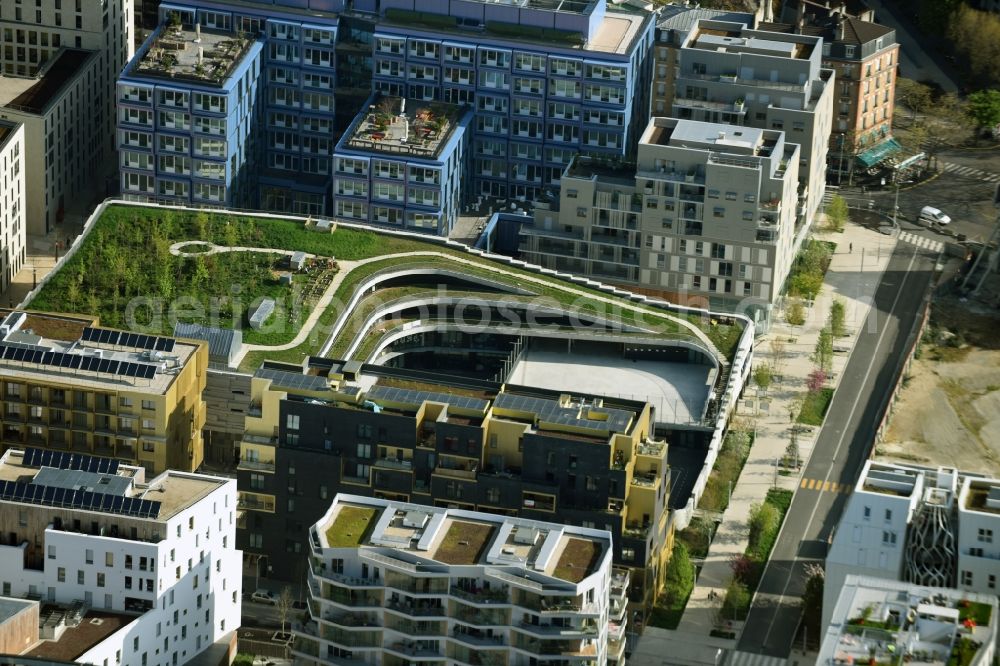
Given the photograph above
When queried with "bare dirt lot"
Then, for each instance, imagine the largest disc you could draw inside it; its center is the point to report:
(949, 411)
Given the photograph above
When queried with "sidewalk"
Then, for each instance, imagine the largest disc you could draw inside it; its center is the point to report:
(852, 277)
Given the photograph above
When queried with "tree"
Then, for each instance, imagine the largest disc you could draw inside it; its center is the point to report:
(778, 354)
(823, 354)
(741, 565)
(762, 376)
(679, 578)
(792, 451)
(795, 312)
(737, 601)
(976, 36)
(816, 380)
(838, 317)
(837, 213)
(812, 598)
(915, 95)
(984, 108)
(764, 519)
(934, 15)
(284, 605)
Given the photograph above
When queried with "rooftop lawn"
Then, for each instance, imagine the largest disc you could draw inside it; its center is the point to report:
(463, 543)
(349, 527)
(125, 260)
(576, 560)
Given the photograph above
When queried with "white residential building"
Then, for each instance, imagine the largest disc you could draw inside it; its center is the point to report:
(391, 582)
(885, 620)
(12, 201)
(155, 556)
(920, 525)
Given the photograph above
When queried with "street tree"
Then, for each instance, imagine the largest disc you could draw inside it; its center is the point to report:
(679, 578)
(838, 318)
(823, 353)
(812, 598)
(915, 95)
(284, 605)
(984, 108)
(778, 354)
(837, 213)
(792, 452)
(795, 312)
(737, 601)
(762, 376)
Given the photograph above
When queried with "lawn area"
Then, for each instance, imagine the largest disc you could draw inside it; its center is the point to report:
(725, 473)
(814, 407)
(576, 560)
(748, 570)
(349, 527)
(103, 279)
(979, 612)
(679, 581)
(464, 542)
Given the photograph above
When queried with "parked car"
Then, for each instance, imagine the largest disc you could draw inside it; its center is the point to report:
(932, 215)
(264, 597)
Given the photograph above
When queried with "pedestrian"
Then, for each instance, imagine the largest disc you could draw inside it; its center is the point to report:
(850, 248)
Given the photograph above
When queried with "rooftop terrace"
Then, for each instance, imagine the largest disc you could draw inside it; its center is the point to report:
(403, 127)
(983, 496)
(33, 94)
(75, 641)
(734, 38)
(886, 620)
(201, 56)
(456, 537)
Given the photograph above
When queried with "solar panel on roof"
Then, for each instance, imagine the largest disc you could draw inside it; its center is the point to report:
(106, 502)
(50, 493)
(116, 504)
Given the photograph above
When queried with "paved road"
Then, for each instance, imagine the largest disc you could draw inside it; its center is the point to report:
(840, 451)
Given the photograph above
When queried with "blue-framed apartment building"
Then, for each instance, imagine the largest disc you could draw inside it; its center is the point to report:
(187, 117)
(402, 163)
(545, 79)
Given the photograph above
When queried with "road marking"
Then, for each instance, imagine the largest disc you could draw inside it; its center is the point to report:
(970, 172)
(737, 658)
(921, 241)
(850, 416)
(822, 486)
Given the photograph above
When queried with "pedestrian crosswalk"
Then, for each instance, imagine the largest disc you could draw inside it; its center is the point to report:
(822, 486)
(737, 658)
(921, 241)
(970, 172)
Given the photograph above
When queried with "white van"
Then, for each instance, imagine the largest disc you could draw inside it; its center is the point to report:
(932, 216)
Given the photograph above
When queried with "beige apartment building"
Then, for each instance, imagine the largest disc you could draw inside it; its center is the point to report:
(12, 201)
(724, 71)
(68, 385)
(705, 217)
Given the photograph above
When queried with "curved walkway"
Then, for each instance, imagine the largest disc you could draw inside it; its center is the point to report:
(347, 266)
(177, 250)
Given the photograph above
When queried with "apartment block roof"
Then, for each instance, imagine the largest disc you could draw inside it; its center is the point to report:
(57, 479)
(75, 641)
(981, 495)
(843, 30)
(206, 57)
(683, 17)
(33, 94)
(401, 127)
(884, 619)
(222, 342)
(458, 537)
(40, 347)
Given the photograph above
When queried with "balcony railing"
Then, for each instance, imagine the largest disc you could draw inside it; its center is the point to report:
(256, 465)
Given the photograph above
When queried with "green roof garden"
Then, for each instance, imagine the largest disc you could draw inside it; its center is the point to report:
(350, 526)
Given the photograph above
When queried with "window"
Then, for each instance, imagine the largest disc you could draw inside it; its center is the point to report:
(52, 552)
(100, 580)
(985, 535)
(61, 574)
(991, 581)
(888, 514)
(967, 579)
(364, 450)
(889, 538)
(628, 554)
(79, 577)
(89, 556)
(109, 559)
(292, 422)
(868, 513)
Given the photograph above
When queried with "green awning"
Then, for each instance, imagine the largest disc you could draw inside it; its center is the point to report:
(873, 156)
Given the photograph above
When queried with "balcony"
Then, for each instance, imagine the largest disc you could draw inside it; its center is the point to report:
(394, 463)
(419, 608)
(458, 470)
(480, 638)
(550, 630)
(652, 448)
(646, 480)
(481, 595)
(255, 502)
(256, 465)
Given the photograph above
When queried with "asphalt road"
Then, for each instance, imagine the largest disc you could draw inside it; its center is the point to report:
(964, 190)
(841, 449)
